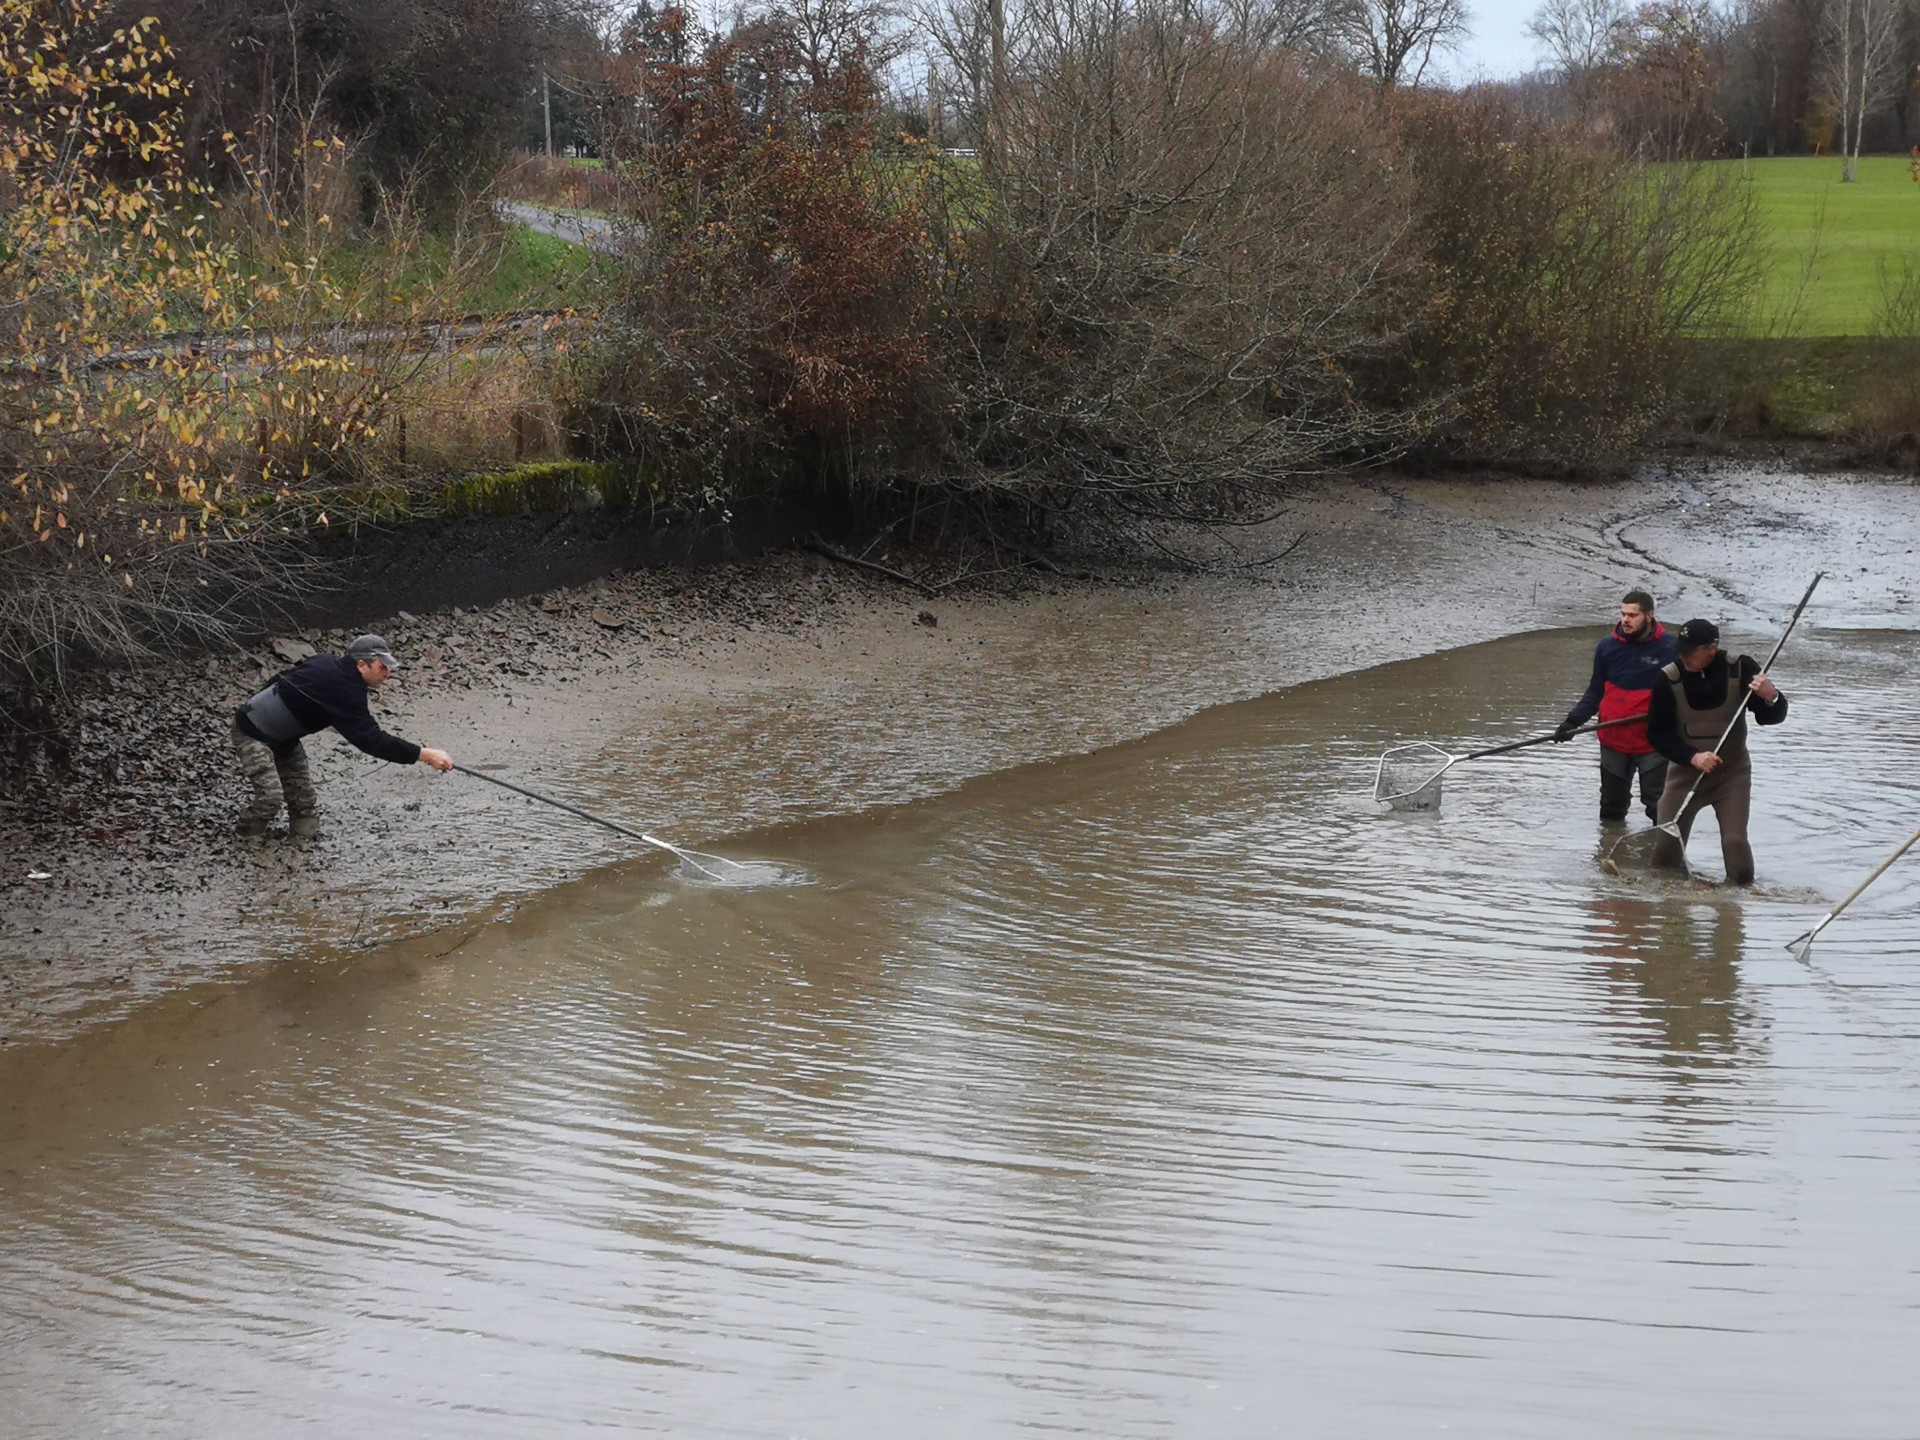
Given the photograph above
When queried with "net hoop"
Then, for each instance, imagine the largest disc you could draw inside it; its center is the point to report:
(1408, 776)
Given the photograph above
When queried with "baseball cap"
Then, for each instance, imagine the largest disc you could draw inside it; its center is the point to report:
(1695, 633)
(372, 647)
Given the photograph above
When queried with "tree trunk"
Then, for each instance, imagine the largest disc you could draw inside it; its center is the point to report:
(1846, 91)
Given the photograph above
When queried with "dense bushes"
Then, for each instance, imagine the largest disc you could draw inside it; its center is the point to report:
(1188, 250)
(1182, 265)
(1562, 285)
(771, 309)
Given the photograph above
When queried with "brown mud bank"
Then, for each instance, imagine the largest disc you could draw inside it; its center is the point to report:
(705, 703)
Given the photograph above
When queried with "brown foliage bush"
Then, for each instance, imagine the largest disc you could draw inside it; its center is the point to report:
(560, 184)
(769, 308)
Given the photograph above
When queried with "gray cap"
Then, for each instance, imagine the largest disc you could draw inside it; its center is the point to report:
(372, 647)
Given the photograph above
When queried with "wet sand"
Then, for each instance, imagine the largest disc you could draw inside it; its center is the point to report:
(810, 691)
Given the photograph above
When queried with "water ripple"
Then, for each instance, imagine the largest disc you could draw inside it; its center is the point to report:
(1168, 1090)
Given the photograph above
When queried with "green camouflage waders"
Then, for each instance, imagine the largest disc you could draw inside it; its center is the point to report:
(276, 776)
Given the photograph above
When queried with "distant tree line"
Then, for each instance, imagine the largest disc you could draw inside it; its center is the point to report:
(434, 92)
(1683, 79)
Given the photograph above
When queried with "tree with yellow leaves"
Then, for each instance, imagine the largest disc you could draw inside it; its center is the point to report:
(141, 479)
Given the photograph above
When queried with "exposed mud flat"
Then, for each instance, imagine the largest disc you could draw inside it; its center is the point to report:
(702, 705)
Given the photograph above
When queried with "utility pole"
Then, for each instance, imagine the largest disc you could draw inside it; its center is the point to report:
(546, 110)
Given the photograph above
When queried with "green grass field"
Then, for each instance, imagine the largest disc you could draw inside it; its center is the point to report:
(1852, 234)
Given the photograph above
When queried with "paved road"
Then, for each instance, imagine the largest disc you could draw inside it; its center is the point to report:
(593, 231)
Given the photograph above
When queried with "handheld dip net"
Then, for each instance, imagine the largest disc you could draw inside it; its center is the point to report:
(1409, 776)
(694, 864)
(1801, 946)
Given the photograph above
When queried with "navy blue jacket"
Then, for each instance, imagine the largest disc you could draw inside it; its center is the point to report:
(325, 691)
(1624, 674)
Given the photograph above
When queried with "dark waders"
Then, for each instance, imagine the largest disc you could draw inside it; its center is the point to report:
(1729, 789)
(1617, 772)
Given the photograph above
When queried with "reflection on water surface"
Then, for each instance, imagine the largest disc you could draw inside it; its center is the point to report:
(1171, 1090)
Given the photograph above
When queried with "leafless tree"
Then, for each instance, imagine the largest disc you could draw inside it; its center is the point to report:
(1197, 246)
(1301, 25)
(1582, 39)
(1861, 66)
(826, 32)
(960, 36)
(1393, 41)
(966, 39)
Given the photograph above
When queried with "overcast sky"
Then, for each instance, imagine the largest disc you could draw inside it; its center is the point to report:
(1498, 48)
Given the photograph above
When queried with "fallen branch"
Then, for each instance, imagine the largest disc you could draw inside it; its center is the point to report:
(969, 575)
(820, 547)
(1027, 552)
(1174, 555)
(1275, 559)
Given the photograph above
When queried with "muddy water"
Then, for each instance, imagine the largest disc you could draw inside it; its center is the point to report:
(1170, 1090)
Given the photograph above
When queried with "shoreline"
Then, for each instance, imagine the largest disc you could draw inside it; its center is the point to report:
(702, 704)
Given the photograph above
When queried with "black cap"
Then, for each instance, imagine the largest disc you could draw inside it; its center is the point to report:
(1695, 633)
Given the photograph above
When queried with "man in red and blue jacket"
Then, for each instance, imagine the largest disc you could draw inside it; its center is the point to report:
(1626, 667)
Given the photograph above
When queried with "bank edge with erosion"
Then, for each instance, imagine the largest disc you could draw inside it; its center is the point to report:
(705, 703)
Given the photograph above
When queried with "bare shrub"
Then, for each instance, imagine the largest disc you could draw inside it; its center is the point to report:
(560, 184)
(1890, 412)
(479, 411)
(338, 321)
(1565, 283)
(1190, 248)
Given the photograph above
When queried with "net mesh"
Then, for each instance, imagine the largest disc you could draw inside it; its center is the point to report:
(703, 869)
(1409, 776)
(1640, 850)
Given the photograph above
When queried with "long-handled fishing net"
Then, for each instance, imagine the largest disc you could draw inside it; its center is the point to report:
(696, 864)
(1678, 827)
(1408, 776)
(1801, 946)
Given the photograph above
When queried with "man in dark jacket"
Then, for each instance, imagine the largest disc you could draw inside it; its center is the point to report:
(1698, 697)
(1625, 666)
(321, 692)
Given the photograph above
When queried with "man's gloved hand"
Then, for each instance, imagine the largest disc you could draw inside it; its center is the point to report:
(1565, 732)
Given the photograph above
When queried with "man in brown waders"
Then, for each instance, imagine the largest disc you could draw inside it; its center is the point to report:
(321, 692)
(1695, 699)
